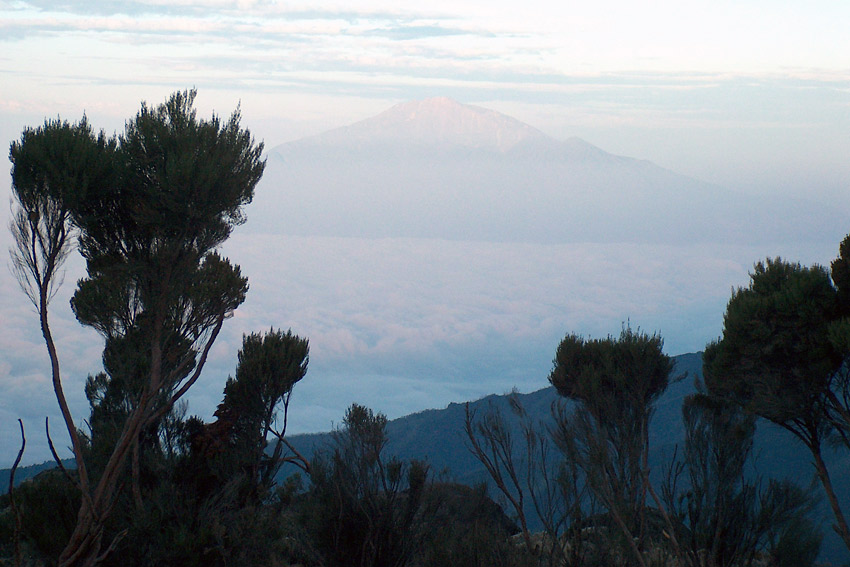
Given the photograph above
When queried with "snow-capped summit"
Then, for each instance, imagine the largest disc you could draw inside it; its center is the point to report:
(438, 121)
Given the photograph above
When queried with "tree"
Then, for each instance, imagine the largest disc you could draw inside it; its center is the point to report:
(368, 511)
(724, 514)
(777, 358)
(529, 467)
(838, 395)
(268, 368)
(719, 507)
(214, 480)
(150, 208)
(615, 382)
(491, 441)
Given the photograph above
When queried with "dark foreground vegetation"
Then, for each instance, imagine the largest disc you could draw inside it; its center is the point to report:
(149, 208)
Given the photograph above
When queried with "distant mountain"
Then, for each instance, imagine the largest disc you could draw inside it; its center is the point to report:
(22, 474)
(440, 169)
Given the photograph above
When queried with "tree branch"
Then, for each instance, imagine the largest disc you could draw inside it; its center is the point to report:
(15, 512)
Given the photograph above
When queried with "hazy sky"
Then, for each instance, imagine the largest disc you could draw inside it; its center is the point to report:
(753, 95)
(743, 91)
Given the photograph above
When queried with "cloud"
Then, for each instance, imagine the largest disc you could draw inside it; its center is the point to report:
(409, 32)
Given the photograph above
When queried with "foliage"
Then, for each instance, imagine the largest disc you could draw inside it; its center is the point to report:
(616, 382)
(268, 368)
(775, 356)
(778, 359)
(213, 483)
(368, 511)
(470, 530)
(150, 207)
(48, 504)
(723, 516)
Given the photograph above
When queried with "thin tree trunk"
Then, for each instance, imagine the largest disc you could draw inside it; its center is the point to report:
(15, 512)
(136, 473)
(840, 526)
(56, 377)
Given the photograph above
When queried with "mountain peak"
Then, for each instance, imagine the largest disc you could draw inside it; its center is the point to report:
(438, 121)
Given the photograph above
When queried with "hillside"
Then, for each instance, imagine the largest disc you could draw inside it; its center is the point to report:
(437, 436)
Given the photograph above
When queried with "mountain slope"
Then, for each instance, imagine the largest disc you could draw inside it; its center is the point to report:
(437, 436)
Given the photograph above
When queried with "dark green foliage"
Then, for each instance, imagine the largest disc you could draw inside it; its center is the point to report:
(367, 510)
(610, 376)
(616, 382)
(49, 165)
(779, 358)
(775, 356)
(48, 504)
(59, 159)
(154, 280)
(470, 530)
(268, 368)
(840, 272)
(212, 484)
(183, 183)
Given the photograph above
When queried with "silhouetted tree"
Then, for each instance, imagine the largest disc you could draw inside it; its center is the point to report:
(151, 207)
(492, 442)
(724, 514)
(777, 358)
(719, 507)
(533, 475)
(615, 382)
(49, 164)
(367, 510)
(237, 442)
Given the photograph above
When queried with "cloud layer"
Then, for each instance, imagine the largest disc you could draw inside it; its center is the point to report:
(402, 324)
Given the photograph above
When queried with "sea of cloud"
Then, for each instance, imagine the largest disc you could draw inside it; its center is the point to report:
(399, 324)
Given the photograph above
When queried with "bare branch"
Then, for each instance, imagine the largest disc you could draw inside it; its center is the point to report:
(56, 456)
(15, 512)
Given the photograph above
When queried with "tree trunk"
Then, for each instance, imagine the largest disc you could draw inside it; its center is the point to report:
(83, 549)
(840, 526)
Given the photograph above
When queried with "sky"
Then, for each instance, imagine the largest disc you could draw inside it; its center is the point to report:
(750, 95)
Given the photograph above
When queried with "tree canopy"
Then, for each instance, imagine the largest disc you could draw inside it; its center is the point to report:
(610, 376)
